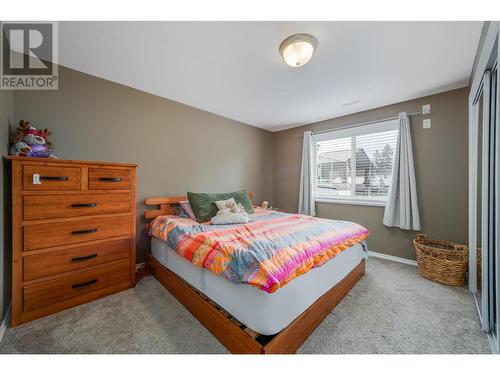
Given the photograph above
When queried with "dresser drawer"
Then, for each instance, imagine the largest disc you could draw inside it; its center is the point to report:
(72, 205)
(39, 236)
(108, 178)
(74, 258)
(52, 177)
(50, 292)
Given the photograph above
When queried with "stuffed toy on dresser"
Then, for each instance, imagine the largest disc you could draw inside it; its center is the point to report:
(30, 142)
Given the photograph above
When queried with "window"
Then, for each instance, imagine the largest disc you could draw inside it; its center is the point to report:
(354, 165)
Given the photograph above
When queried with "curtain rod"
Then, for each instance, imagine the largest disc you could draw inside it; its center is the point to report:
(364, 123)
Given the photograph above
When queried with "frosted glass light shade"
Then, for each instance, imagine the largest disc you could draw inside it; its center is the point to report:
(298, 49)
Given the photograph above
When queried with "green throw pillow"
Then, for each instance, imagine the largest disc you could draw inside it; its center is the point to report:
(203, 204)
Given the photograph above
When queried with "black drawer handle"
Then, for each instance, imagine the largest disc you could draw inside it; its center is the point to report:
(84, 231)
(110, 179)
(54, 178)
(84, 205)
(82, 258)
(93, 281)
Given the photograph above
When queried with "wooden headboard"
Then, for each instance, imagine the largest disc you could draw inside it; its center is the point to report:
(167, 205)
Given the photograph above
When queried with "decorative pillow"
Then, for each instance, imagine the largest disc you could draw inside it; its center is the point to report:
(179, 211)
(226, 216)
(187, 209)
(225, 204)
(203, 204)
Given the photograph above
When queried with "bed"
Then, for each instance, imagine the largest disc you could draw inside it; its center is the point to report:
(250, 314)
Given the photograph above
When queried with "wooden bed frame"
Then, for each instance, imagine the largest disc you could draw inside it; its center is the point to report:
(235, 336)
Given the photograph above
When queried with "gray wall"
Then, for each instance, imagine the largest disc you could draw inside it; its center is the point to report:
(178, 148)
(441, 160)
(6, 108)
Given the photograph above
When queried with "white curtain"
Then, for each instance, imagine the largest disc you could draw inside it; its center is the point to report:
(401, 209)
(306, 198)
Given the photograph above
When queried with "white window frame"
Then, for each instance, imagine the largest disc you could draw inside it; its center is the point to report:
(345, 132)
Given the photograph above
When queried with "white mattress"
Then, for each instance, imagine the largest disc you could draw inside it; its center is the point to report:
(265, 313)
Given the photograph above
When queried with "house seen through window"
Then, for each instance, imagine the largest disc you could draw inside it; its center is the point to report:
(355, 163)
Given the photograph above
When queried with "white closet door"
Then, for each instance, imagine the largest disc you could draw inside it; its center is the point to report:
(495, 292)
(484, 185)
(485, 198)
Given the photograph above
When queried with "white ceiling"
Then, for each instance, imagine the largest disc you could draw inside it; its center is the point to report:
(234, 68)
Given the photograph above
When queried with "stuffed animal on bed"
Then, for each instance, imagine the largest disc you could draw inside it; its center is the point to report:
(30, 142)
(230, 212)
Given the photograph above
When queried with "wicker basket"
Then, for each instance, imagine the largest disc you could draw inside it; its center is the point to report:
(441, 261)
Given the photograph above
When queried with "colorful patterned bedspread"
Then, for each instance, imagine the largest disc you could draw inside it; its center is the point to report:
(266, 253)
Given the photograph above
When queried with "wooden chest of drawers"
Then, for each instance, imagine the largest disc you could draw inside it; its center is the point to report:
(73, 233)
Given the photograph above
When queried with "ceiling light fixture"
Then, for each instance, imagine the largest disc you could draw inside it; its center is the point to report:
(298, 49)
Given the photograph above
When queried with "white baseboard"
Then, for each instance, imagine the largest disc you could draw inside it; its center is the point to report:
(392, 258)
(5, 323)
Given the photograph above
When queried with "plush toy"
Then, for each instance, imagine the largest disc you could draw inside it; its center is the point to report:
(30, 142)
(230, 212)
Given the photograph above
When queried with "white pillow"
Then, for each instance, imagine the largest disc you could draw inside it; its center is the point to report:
(224, 204)
(226, 216)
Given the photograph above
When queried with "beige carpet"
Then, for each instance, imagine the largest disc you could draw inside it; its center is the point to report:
(391, 310)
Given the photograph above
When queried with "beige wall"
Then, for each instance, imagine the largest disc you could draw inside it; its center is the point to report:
(441, 171)
(6, 108)
(178, 148)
